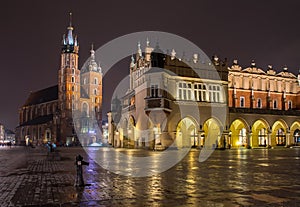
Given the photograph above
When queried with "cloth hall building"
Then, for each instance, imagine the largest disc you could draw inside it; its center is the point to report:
(262, 107)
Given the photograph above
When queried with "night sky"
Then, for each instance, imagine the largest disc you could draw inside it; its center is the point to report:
(31, 33)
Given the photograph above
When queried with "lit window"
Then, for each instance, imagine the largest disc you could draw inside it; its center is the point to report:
(185, 91)
(262, 137)
(242, 101)
(280, 137)
(154, 91)
(242, 137)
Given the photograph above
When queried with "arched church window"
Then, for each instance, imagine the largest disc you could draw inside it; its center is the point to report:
(84, 109)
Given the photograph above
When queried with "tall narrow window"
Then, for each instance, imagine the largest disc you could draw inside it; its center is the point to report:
(154, 91)
(275, 104)
(290, 104)
(262, 137)
(259, 105)
(73, 79)
(242, 101)
(95, 81)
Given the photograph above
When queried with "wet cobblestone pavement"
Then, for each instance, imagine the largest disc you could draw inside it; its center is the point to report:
(259, 177)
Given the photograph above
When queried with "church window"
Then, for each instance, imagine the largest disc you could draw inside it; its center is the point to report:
(73, 79)
(48, 135)
(95, 91)
(85, 109)
(95, 81)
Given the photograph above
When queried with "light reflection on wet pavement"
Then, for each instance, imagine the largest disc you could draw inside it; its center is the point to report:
(259, 177)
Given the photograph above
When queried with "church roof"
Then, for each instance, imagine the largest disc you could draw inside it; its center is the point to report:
(42, 96)
(38, 120)
(91, 64)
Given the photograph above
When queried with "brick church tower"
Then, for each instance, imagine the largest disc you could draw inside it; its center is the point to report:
(68, 82)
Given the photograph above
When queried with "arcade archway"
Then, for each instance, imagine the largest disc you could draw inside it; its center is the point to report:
(295, 133)
(187, 133)
(260, 134)
(238, 135)
(279, 131)
(212, 130)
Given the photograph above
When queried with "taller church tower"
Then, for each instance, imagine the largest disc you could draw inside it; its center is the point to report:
(68, 83)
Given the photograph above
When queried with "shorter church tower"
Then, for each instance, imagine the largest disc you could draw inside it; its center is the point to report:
(91, 99)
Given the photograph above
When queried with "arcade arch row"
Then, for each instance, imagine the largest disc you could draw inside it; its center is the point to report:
(240, 134)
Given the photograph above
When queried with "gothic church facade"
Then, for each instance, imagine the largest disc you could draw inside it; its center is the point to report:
(48, 114)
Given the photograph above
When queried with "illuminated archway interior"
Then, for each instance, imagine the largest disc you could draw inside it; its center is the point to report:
(238, 133)
(259, 134)
(186, 133)
(278, 134)
(212, 133)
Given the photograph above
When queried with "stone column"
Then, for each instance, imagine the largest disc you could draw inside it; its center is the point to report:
(226, 137)
(249, 140)
(288, 141)
(269, 138)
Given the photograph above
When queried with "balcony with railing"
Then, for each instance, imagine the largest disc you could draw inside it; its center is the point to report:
(157, 103)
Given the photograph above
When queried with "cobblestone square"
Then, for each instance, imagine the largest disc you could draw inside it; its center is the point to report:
(238, 177)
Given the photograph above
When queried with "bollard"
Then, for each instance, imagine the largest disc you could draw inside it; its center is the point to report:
(79, 177)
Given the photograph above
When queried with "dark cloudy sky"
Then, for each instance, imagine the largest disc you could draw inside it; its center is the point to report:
(31, 32)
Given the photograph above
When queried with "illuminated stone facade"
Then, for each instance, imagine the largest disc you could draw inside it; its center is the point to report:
(47, 115)
(262, 108)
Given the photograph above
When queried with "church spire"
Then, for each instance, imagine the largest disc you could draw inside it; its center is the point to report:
(70, 43)
(92, 52)
(70, 15)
